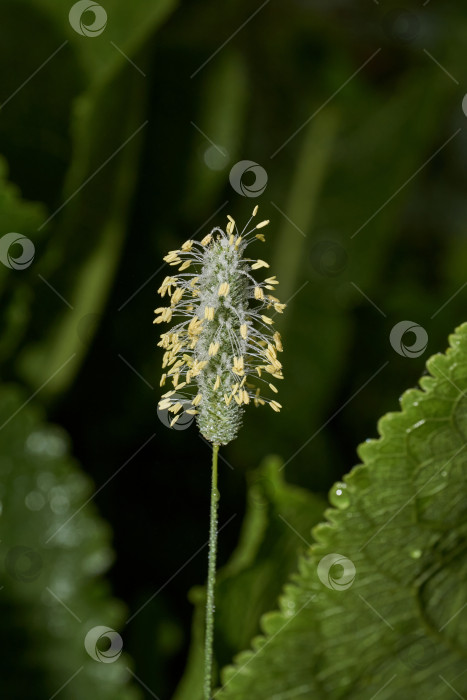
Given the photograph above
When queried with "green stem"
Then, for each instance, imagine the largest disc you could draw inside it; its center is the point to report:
(209, 638)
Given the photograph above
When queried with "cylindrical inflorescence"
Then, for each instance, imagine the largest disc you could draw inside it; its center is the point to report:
(218, 354)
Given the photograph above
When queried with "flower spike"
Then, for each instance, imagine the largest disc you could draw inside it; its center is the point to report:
(223, 343)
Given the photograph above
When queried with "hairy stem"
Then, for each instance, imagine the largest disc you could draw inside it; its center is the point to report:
(209, 638)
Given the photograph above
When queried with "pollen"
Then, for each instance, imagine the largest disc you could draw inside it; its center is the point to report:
(197, 400)
(238, 365)
(176, 296)
(277, 341)
(259, 263)
(172, 257)
(166, 286)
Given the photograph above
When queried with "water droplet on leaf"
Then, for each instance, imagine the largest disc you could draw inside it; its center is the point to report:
(338, 495)
(416, 553)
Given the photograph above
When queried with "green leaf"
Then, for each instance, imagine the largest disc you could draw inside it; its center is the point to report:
(248, 585)
(379, 606)
(124, 26)
(20, 216)
(53, 551)
(86, 229)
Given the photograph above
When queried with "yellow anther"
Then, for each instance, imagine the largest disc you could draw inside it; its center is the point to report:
(277, 340)
(238, 366)
(209, 313)
(176, 296)
(259, 263)
(166, 286)
(213, 348)
(224, 289)
(262, 223)
(238, 398)
(243, 331)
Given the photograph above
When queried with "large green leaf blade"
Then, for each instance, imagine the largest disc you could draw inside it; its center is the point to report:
(388, 617)
(53, 552)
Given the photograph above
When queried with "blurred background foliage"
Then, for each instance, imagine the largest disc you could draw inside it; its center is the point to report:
(354, 109)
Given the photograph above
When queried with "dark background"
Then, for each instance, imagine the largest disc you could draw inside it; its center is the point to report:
(383, 155)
